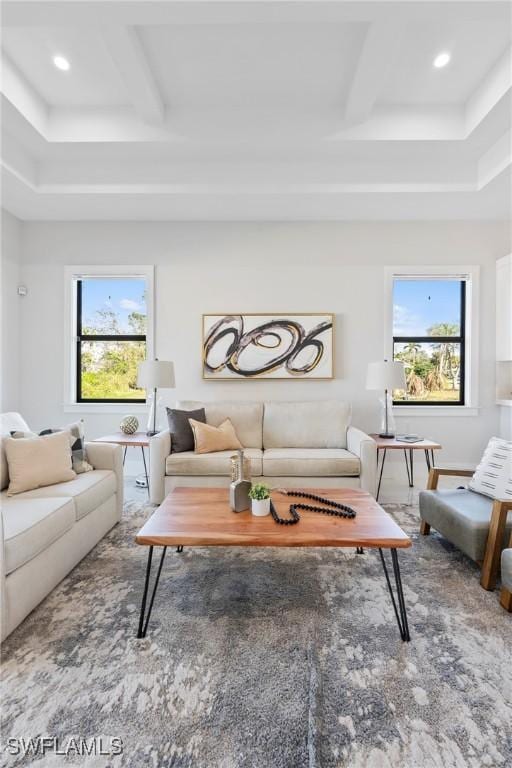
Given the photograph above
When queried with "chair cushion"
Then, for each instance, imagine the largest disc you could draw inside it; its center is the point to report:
(31, 525)
(318, 424)
(219, 463)
(463, 517)
(88, 490)
(506, 569)
(493, 476)
(246, 417)
(310, 462)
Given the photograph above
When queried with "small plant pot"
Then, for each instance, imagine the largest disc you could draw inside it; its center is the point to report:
(260, 507)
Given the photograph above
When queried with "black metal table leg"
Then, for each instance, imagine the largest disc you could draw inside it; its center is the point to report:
(144, 621)
(145, 467)
(433, 460)
(381, 468)
(427, 459)
(359, 551)
(124, 455)
(179, 548)
(400, 610)
(407, 467)
(411, 461)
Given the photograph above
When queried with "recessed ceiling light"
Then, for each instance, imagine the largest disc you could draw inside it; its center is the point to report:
(441, 60)
(61, 63)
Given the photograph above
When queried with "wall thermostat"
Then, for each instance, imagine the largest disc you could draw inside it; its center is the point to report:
(22, 290)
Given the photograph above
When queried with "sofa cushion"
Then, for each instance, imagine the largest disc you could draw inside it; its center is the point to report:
(8, 422)
(31, 525)
(246, 417)
(506, 569)
(87, 490)
(321, 424)
(463, 517)
(218, 463)
(310, 462)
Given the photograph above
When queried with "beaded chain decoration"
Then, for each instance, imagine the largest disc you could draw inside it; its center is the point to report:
(332, 508)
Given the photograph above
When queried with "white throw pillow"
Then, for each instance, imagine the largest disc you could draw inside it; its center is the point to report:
(78, 452)
(37, 461)
(493, 476)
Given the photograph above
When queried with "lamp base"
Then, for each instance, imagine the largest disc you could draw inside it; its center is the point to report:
(150, 433)
(386, 435)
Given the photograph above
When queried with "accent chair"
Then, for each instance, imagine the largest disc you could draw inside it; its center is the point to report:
(506, 577)
(478, 525)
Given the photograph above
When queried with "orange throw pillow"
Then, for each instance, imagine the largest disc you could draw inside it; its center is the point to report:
(208, 439)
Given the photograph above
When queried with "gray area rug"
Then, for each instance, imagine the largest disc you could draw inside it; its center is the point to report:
(266, 659)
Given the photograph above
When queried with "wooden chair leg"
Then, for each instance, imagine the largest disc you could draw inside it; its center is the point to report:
(494, 543)
(506, 599)
(433, 479)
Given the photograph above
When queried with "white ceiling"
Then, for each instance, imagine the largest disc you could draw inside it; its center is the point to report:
(475, 46)
(252, 110)
(94, 81)
(254, 67)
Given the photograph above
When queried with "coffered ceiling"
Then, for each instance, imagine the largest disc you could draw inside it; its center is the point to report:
(247, 110)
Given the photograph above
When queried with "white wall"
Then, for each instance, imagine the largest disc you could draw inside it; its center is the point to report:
(203, 267)
(505, 426)
(9, 316)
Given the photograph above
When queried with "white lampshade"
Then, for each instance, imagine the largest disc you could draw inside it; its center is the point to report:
(156, 374)
(386, 374)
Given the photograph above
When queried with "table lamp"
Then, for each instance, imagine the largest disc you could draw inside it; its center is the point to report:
(155, 374)
(386, 375)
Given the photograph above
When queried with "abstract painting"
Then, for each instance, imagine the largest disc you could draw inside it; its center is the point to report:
(268, 346)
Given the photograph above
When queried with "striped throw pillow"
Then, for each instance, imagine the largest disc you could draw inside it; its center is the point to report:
(493, 476)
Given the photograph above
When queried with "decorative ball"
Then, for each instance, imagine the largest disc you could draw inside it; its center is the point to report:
(129, 425)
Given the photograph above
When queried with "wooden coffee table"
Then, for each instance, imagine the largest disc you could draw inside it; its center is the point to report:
(201, 517)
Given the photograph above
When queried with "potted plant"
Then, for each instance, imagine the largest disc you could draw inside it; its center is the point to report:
(260, 499)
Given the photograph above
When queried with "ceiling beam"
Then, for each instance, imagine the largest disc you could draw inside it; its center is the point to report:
(372, 70)
(495, 161)
(124, 46)
(494, 87)
(23, 97)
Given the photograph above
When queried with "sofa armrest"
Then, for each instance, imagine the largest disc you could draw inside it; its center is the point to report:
(159, 449)
(3, 600)
(108, 456)
(363, 446)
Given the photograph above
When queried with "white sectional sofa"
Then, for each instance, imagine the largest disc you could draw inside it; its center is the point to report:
(44, 533)
(293, 444)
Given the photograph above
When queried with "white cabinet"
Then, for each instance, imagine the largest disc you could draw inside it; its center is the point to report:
(504, 330)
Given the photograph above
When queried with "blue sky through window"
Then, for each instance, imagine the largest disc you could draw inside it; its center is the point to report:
(119, 295)
(419, 304)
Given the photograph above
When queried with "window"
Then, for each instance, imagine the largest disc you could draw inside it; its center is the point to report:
(429, 337)
(111, 315)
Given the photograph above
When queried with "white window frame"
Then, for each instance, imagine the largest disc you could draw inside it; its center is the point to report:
(471, 274)
(71, 275)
